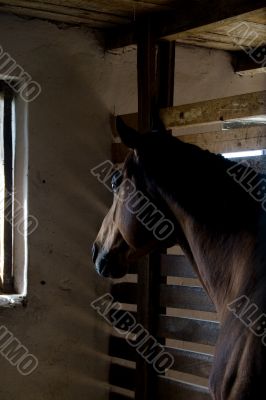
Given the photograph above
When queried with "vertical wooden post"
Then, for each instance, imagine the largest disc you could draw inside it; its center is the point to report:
(166, 74)
(146, 62)
(155, 89)
(165, 88)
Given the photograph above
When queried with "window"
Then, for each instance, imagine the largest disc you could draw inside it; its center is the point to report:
(6, 189)
(13, 197)
(245, 154)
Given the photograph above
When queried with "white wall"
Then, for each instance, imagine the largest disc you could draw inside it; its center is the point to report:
(69, 133)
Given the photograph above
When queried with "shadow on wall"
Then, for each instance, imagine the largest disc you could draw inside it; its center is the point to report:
(69, 133)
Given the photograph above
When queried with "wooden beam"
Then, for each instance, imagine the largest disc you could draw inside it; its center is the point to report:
(148, 275)
(187, 16)
(166, 74)
(250, 63)
(62, 13)
(227, 108)
(236, 33)
(241, 106)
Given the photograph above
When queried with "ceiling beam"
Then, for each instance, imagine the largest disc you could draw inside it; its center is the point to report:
(187, 15)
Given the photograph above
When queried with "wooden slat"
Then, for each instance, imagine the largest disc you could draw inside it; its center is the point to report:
(174, 390)
(190, 362)
(175, 265)
(193, 298)
(123, 377)
(125, 292)
(241, 106)
(118, 347)
(226, 108)
(190, 330)
(118, 396)
(119, 314)
(240, 139)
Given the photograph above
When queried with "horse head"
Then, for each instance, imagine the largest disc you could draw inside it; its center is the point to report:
(138, 221)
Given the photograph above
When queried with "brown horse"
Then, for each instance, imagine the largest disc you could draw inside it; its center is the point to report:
(221, 228)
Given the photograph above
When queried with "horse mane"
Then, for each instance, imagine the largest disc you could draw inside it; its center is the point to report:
(198, 181)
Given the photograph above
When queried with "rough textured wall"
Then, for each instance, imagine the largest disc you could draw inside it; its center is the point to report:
(69, 133)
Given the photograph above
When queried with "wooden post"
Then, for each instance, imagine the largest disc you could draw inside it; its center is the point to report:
(146, 62)
(150, 96)
(166, 74)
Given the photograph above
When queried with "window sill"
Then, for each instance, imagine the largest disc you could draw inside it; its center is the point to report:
(12, 300)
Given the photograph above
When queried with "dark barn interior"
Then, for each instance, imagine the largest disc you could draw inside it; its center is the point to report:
(197, 65)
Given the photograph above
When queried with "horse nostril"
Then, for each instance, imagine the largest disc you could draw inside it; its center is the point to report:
(94, 252)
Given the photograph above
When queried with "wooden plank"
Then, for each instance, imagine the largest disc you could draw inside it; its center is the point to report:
(127, 8)
(190, 330)
(67, 9)
(249, 64)
(173, 265)
(122, 377)
(118, 396)
(118, 315)
(226, 108)
(239, 139)
(226, 141)
(172, 389)
(168, 25)
(241, 106)
(125, 292)
(190, 362)
(192, 298)
(244, 31)
(118, 347)
(55, 16)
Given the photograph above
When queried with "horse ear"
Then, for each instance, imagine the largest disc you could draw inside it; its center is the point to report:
(129, 136)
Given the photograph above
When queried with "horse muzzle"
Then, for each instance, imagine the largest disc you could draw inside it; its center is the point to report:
(107, 265)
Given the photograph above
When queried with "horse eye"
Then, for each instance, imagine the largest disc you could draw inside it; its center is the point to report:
(116, 180)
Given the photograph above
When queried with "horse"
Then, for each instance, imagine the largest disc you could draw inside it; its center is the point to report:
(221, 226)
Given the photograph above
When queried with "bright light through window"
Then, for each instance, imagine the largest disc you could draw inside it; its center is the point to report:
(243, 154)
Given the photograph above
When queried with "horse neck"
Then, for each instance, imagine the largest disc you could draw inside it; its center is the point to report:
(222, 263)
(221, 250)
